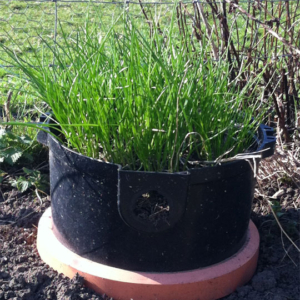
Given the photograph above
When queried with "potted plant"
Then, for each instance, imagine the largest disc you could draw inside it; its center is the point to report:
(151, 144)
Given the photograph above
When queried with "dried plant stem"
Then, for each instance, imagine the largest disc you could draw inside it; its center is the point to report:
(268, 28)
(208, 31)
(275, 216)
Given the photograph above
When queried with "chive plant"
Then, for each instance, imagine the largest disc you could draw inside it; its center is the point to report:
(145, 101)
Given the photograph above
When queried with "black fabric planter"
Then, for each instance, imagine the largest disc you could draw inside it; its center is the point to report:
(109, 215)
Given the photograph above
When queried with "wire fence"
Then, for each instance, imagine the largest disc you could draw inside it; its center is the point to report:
(259, 29)
(257, 33)
(23, 23)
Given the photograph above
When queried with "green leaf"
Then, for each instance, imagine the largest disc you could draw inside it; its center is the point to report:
(2, 132)
(43, 183)
(23, 185)
(13, 183)
(11, 135)
(12, 155)
(26, 139)
(28, 171)
(34, 174)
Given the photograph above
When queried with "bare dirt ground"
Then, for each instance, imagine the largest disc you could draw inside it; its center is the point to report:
(24, 276)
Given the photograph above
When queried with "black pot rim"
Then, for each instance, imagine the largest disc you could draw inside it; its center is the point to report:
(265, 141)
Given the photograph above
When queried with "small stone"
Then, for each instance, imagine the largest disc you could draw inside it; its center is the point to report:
(3, 260)
(21, 258)
(21, 269)
(4, 287)
(50, 294)
(12, 283)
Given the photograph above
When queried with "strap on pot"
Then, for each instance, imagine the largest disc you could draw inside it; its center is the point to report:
(267, 140)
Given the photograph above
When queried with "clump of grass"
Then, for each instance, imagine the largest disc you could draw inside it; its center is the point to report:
(18, 6)
(145, 101)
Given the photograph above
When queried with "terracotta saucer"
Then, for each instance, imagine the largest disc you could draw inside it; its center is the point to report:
(208, 283)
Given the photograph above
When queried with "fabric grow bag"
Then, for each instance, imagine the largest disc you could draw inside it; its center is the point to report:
(147, 221)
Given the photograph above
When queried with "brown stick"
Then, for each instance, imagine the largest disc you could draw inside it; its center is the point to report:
(208, 31)
(7, 106)
(272, 32)
(279, 110)
(288, 102)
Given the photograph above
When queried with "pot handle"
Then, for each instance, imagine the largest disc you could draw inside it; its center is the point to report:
(42, 136)
(266, 140)
(152, 202)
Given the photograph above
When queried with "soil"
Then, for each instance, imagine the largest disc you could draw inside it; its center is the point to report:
(24, 276)
(152, 207)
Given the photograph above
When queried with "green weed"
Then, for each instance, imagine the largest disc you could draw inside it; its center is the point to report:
(32, 179)
(13, 147)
